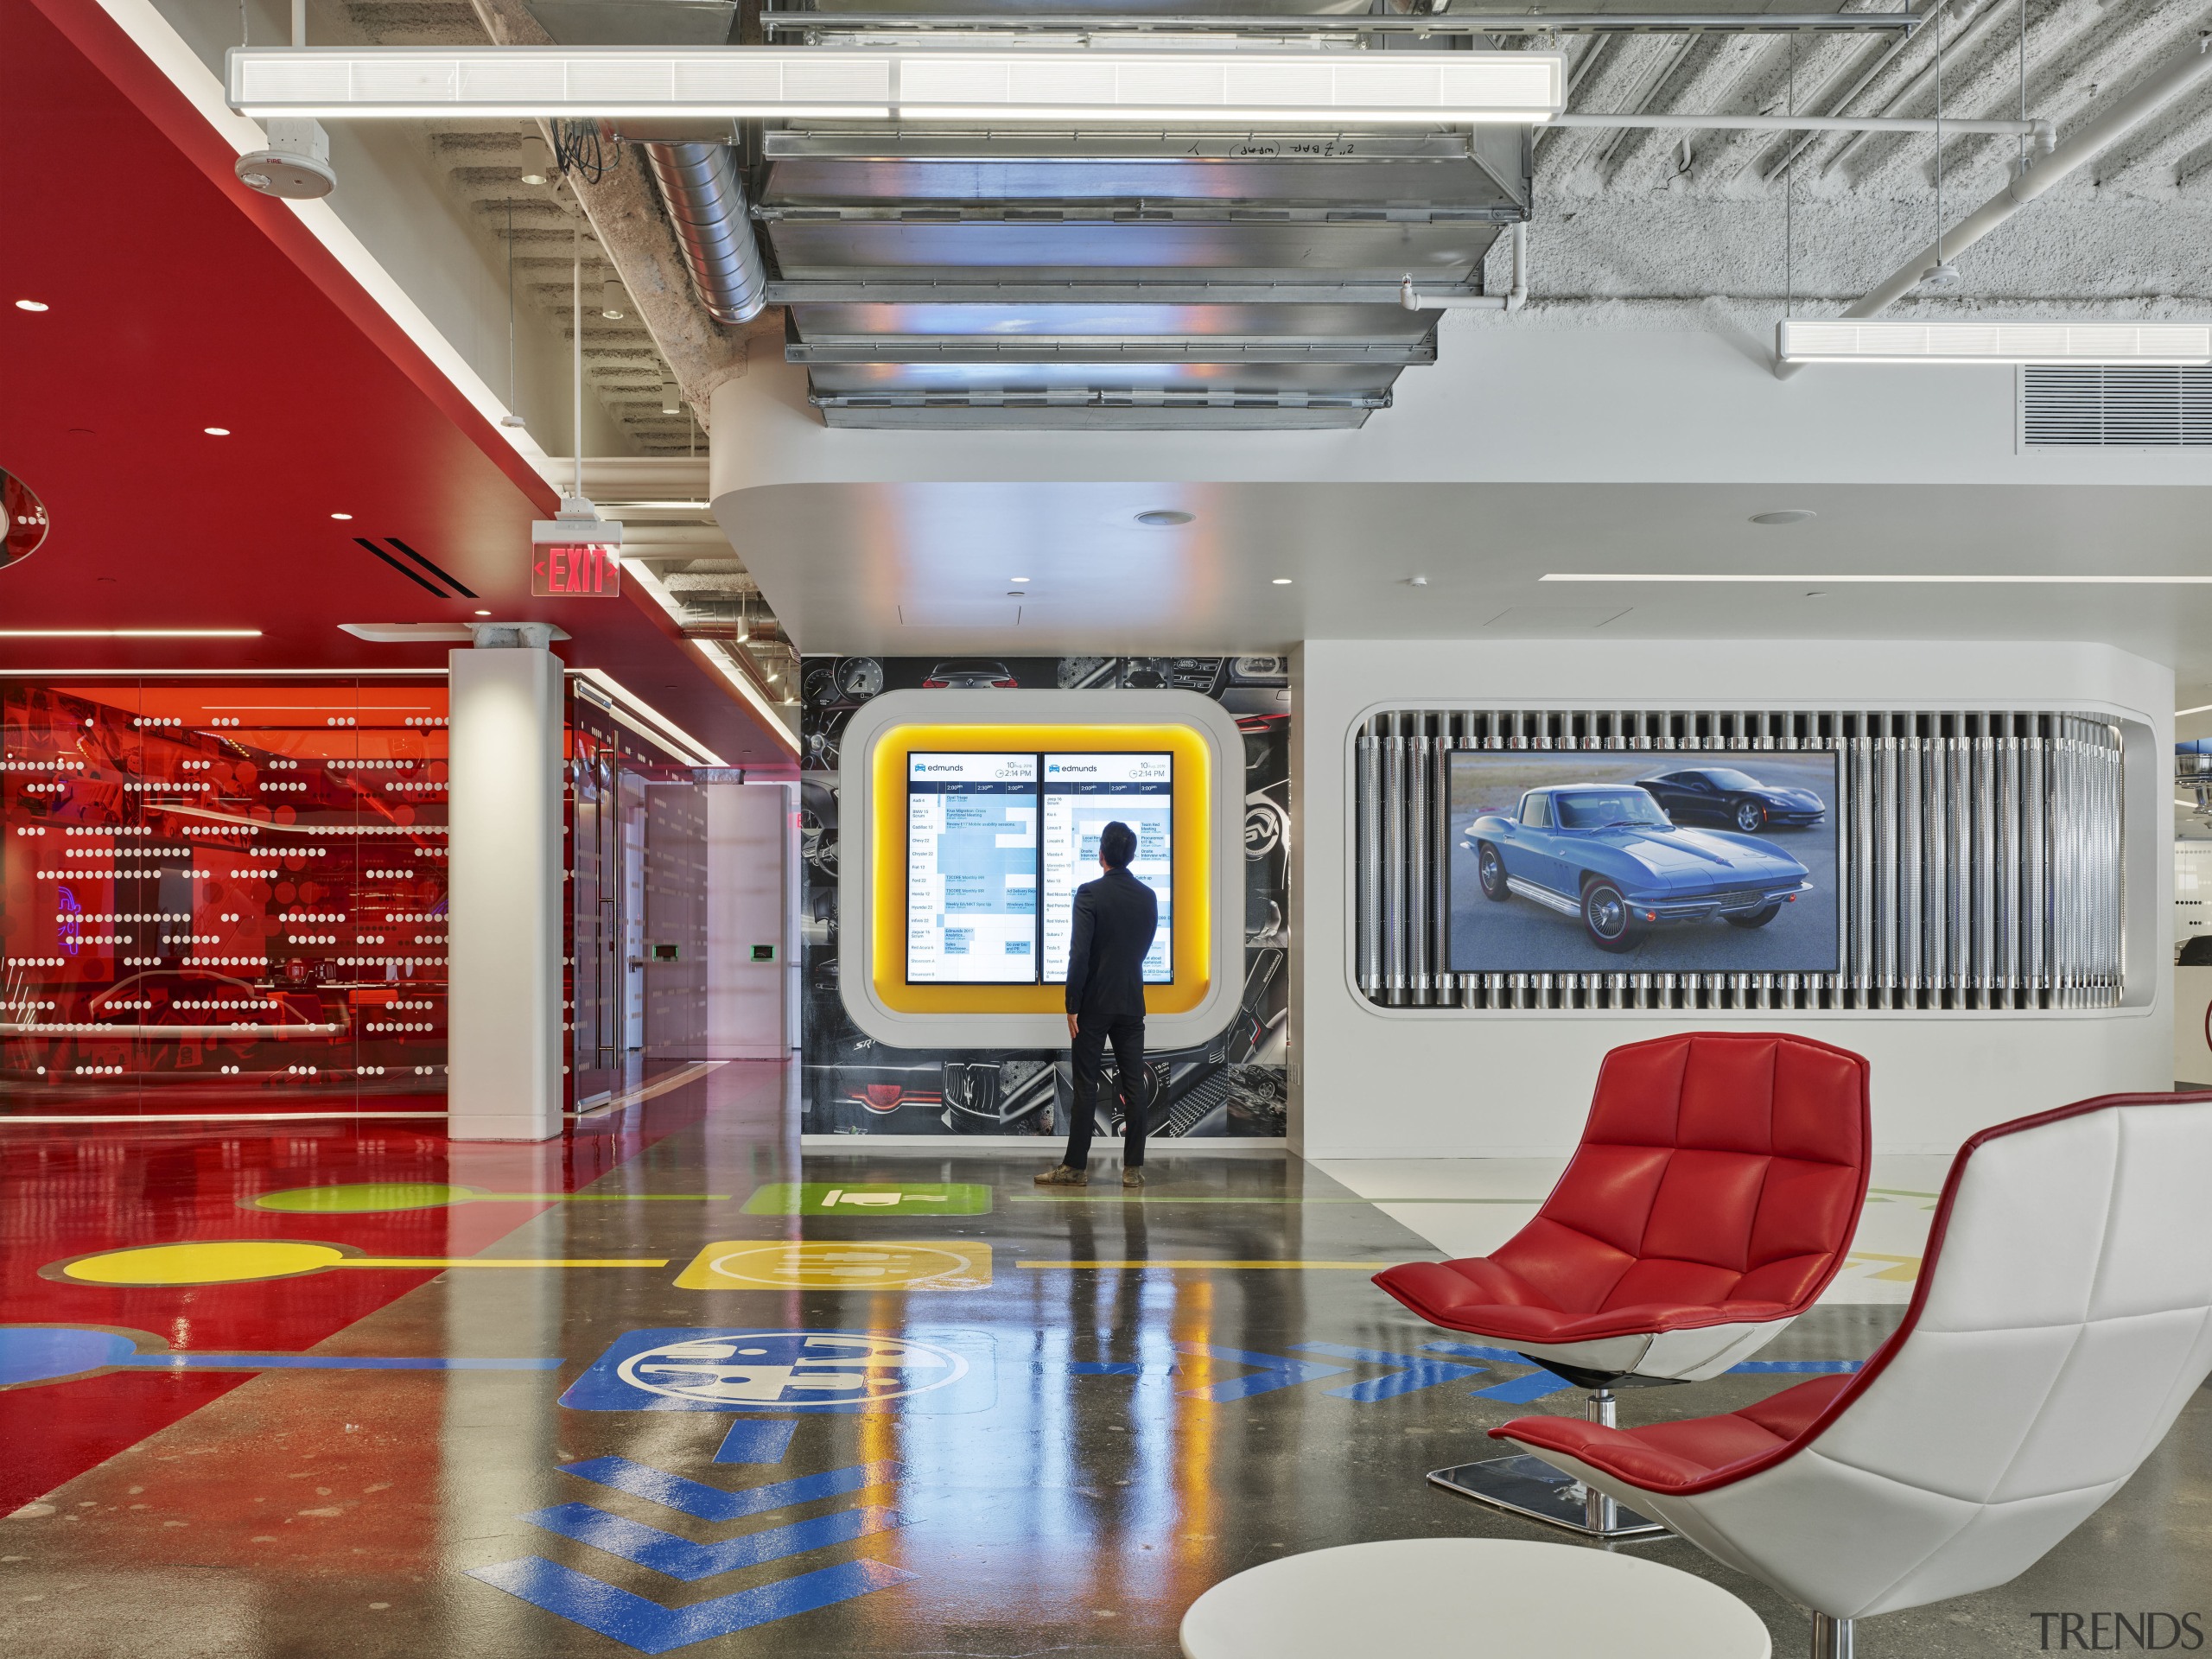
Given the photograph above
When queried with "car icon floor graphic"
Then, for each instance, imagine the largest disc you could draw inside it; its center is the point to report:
(706, 1369)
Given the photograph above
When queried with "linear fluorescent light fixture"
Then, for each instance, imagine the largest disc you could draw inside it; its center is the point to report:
(1877, 341)
(129, 633)
(1866, 578)
(1002, 85)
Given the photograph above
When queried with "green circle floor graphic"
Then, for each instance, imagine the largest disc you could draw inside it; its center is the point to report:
(374, 1197)
(365, 1198)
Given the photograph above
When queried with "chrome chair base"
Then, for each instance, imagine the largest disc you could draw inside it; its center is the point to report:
(1830, 1637)
(1531, 1488)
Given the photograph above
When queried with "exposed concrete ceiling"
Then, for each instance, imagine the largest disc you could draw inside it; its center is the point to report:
(1632, 221)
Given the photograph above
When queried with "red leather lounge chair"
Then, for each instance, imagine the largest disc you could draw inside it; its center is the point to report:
(1713, 1196)
(2063, 1319)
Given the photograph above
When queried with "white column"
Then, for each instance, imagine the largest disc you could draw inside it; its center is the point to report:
(503, 953)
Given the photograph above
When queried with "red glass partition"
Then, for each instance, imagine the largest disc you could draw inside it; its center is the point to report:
(222, 897)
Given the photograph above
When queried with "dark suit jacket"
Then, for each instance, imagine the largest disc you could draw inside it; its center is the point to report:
(1116, 917)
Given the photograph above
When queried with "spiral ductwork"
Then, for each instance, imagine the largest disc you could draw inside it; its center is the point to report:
(713, 226)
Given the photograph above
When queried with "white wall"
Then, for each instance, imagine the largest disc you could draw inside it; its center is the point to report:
(749, 878)
(1371, 1083)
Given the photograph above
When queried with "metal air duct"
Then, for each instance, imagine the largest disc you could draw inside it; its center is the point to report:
(714, 226)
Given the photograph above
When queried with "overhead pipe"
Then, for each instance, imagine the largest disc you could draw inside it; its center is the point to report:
(1512, 300)
(714, 226)
(2083, 144)
(2043, 132)
(1443, 24)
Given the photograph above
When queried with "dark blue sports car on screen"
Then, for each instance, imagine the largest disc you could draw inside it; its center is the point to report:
(1736, 799)
(1606, 854)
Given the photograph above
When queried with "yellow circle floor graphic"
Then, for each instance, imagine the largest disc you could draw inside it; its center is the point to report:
(779, 1264)
(225, 1261)
(241, 1260)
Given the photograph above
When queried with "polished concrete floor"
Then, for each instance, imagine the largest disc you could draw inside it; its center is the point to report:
(666, 1387)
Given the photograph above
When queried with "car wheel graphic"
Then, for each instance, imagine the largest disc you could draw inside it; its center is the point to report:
(1490, 870)
(1606, 919)
(1758, 917)
(1750, 817)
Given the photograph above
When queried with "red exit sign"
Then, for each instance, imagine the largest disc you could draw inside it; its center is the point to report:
(578, 555)
(575, 570)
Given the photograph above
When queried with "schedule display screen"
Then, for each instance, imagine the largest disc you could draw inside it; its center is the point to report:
(990, 834)
(1083, 793)
(971, 869)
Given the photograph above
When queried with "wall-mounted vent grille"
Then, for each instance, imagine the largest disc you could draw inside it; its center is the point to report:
(2149, 407)
(1979, 859)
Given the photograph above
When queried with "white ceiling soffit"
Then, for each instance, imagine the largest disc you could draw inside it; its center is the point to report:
(854, 569)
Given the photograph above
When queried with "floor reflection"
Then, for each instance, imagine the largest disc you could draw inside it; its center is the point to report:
(1072, 1456)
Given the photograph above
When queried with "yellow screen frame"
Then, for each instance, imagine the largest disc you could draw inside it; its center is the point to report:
(1194, 854)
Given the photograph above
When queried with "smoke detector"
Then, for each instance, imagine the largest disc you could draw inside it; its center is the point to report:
(1942, 273)
(296, 165)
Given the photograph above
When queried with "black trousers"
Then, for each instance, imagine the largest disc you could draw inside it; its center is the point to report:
(1126, 1033)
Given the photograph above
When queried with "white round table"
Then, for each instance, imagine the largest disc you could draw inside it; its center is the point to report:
(1469, 1599)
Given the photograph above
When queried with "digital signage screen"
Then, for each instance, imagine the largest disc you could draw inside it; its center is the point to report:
(1083, 793)
(989, 835)
(971, 869)
(1567, 862)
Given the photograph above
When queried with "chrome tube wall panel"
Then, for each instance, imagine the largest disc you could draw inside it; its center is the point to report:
(1911, 863)
(1420, 867)
(2008, 862)
(1980, 858)
(1368, 856)
(1394, 862)
(1439, 909)
(1884, 867)
(2033, 859)
(714, 226)
(1857, 853)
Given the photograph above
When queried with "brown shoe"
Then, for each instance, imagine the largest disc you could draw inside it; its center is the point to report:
(1061, 1175)
(1133, 1177)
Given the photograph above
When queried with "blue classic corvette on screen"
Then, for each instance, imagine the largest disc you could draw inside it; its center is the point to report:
(1608, 855)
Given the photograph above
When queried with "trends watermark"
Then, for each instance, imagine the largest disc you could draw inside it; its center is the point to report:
(2113, 1632)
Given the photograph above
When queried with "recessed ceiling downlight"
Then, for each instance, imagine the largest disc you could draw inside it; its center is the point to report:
(1165, 517)
(1784, 516)
(31, 305)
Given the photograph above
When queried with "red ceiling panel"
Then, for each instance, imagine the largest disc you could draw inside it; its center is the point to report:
(179, 300)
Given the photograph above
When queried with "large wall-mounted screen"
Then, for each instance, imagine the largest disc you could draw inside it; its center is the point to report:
(1567, 861)
(988, 833)
(971, 869)
(1083, 793)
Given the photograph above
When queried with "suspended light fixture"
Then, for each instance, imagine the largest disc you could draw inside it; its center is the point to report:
(1880, 340)
(613, 299)
(928, 84)
(536, 166)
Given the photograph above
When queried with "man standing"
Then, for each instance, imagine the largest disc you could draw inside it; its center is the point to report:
(1116, 917)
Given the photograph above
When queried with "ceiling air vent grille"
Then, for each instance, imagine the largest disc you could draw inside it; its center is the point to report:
(2111, 407)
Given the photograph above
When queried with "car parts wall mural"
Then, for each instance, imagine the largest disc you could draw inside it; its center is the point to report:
(1234, 1085)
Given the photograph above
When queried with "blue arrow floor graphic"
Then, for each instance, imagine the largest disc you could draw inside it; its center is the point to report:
(712, 1502)
(644, 1624)
(651, 1628)
(1412, 1373)
(679, 1558)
